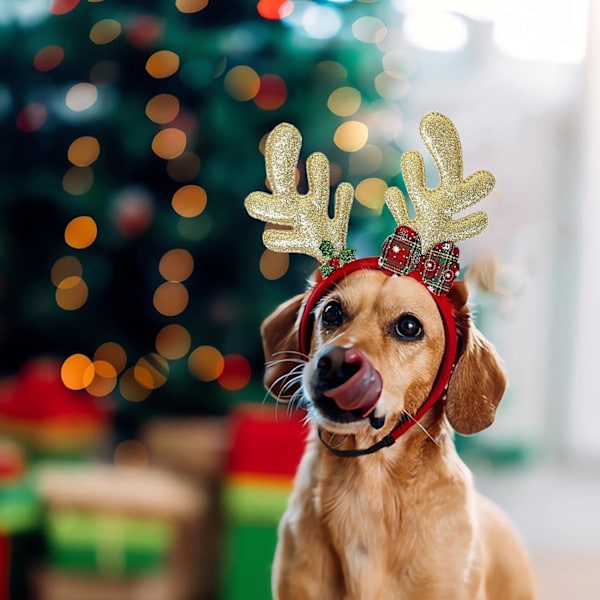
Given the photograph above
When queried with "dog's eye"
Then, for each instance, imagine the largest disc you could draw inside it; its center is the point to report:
(333, 315)
(408, 327)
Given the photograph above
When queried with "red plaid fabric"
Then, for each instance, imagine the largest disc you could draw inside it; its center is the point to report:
(439, 267)
(401, 252)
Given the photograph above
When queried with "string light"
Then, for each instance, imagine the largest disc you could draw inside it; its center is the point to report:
(48, 58)
(351, 136)
(206, 363)
(189, 200)
(105, 31)
(162, 64)
(81, 232)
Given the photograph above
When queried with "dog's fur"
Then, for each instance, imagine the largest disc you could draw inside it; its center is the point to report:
(404, 523)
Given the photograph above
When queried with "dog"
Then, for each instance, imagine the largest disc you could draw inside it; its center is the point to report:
(402, 521)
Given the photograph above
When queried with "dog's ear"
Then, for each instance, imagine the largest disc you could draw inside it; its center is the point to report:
(282, 350)
(478, 382)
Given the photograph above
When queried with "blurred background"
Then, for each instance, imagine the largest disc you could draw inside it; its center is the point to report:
(139, 455)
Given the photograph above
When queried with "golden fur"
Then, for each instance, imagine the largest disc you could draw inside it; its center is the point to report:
(404, 523)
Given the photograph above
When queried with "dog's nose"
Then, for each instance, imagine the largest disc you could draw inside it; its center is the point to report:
(332, 367)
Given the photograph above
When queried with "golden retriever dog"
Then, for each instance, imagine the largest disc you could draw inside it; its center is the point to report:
(402, 520)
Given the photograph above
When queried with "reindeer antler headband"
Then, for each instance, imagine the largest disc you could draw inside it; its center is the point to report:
(423, 247)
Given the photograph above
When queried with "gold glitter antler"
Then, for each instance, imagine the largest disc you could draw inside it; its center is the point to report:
(435, 207)
(312, 232)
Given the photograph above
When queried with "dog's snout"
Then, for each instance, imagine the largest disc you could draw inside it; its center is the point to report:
(332, 367)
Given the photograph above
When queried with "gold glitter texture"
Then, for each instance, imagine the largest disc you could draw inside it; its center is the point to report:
(434, 208)
(304, 215)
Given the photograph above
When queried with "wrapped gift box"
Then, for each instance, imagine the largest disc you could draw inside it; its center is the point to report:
(266, 447)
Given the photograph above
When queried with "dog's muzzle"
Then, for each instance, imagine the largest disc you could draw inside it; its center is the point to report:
(343, 384)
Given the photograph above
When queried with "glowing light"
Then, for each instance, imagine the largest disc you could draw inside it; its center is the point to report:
(62, 7)
(104, 378)
(81, 232)
(131, 454)
(163, 108)
(274, 9)
(351, 136)
(236, 372)
(144, 31)
(67, 266)
(271, 93)
(169, 143)
(191, 6)
(321, 22)
(173, 341)
(81, 96)
(189, 200)
(112, 353)
(71, 293)
(206, 363)
(131, 389)
(370, 193)
(32, 117)
(332, 69)
(162, 64)
(84, 151)
(75, 373)
(274, 265)
(132, 212)
(370, 30)
(78, 180)
(48, 58)
(242, 83)
(344, 101)
(435, 30)
(391, 87)
(170, 298)
(184, 168)
(105, 31)
(151, 371)
(176, 265)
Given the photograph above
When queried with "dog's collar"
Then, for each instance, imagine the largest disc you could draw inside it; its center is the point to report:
(440, 385)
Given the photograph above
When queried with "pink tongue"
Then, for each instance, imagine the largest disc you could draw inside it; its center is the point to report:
(362, 390)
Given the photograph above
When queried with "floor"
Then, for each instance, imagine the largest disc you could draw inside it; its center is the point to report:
(557, 510)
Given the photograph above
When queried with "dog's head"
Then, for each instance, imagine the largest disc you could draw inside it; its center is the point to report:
(376, 347)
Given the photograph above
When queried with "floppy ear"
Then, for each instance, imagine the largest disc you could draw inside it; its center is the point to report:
(478, 381)
(280, 344)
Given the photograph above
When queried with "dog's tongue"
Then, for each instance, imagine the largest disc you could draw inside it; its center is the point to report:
(362, 390)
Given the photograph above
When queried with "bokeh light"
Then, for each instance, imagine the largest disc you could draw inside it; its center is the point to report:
(163, 63)
(151, 371)
(83, 151)
(390, 86)
(366, 160)
(104, 378)
(132, 212)
(272, 92)
(184, 168)
(105, 31)
(48, 58)
(189, 200)
(62, 7)
(176, 265)
(191, 6)
(32, 117)
(162, 108)
(130, 388)
(78, 180)
(173, 341)
(351, 136)
(81, 232)
(75, 372)
(344, 101)
(144, 31)
(71, 293)
(169, 143)
(370, 193)
(242, 83)
(370, 30)
(236, 372)
(206, 363)
(274, 265)
(131, 454)
(319, 22)
(112, 353)
(170, 299)
(274, 9)
(81, 96)
(67, 266)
